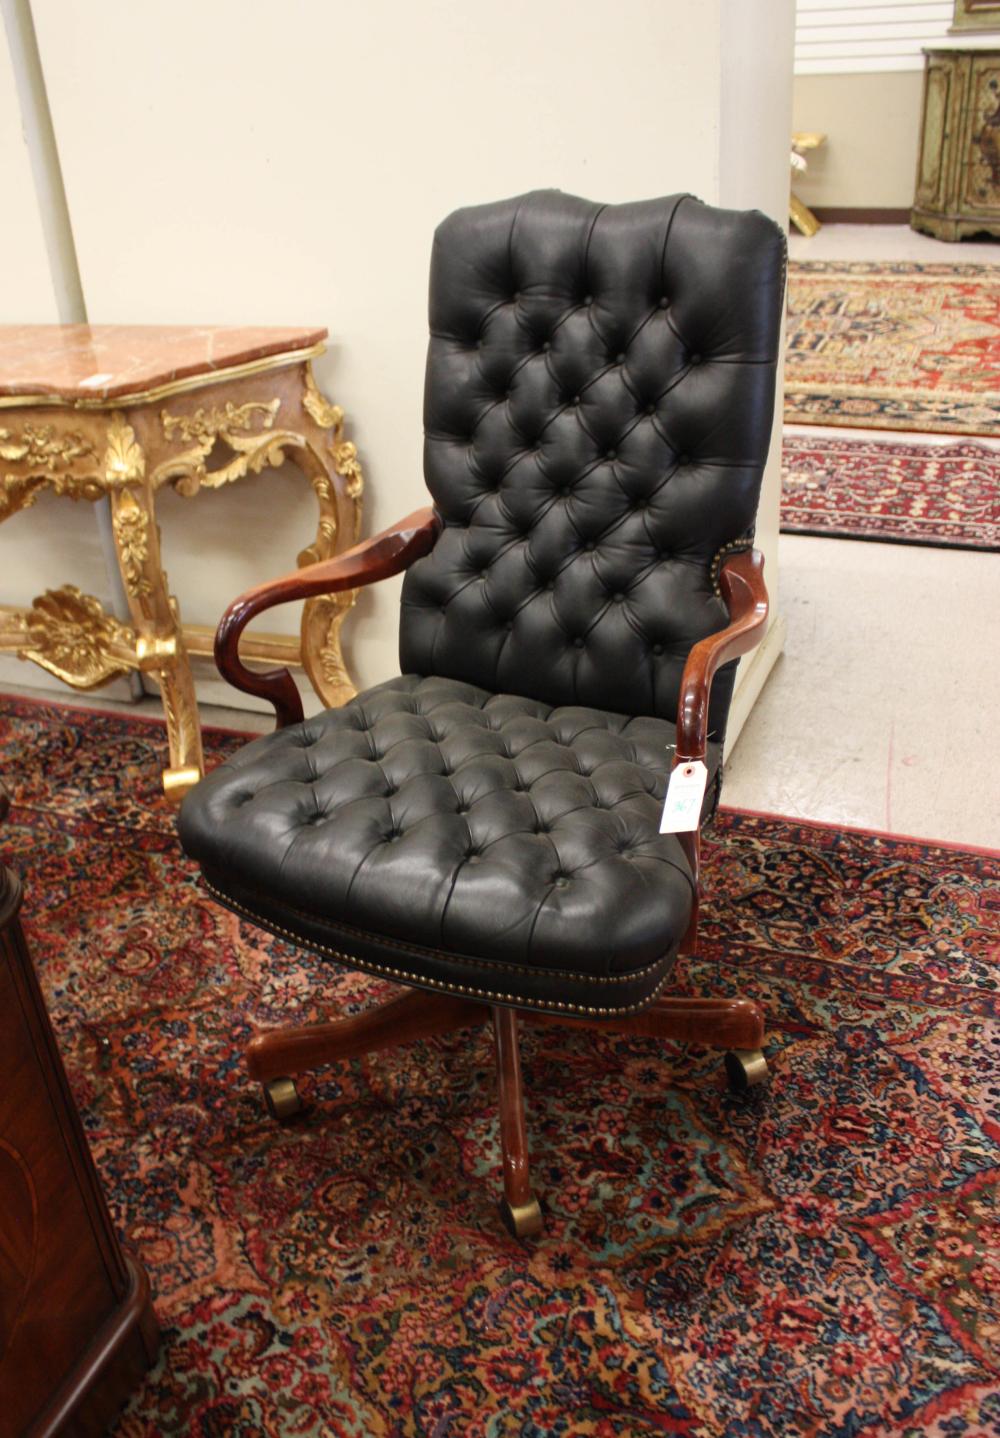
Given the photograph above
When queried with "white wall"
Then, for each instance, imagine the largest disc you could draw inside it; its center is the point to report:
(238, 162)
(758, 42)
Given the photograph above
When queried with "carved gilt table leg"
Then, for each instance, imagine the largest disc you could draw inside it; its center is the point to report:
(334, 470)
(159, 642)
(255, 426)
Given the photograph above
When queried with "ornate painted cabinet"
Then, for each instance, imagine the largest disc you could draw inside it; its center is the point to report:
(958, 169)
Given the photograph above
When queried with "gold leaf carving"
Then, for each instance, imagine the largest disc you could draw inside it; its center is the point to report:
(206, 424)
(188, 472)
(69, 634)
(45, 447)
(326, 415)
(124, 461)
(131, 526)
(332, 666)
(342, 451)
(19, 492)
(348, 466)
(43, 454)
(182, 724)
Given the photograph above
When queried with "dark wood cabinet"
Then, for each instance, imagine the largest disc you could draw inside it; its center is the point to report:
(77, 1328)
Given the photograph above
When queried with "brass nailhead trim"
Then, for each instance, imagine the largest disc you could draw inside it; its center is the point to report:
(421, 981)
(424, 953)
(735, 546)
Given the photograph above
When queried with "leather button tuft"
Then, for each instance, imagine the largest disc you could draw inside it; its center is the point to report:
(664, 303)
(683, 459)
(611, 454)
(588, 299)
(651, 409)
(620, 359)
(578, 642)
(618, 598)
(546, 347)
(694, 359)
(576, 399)
(515, 297)
(657, 648)
(559, 881)
(509, 625)
(590, 546)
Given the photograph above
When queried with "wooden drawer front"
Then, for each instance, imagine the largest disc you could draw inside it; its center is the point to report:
(55, 1287)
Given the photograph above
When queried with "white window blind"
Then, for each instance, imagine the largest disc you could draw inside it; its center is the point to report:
(847, 36)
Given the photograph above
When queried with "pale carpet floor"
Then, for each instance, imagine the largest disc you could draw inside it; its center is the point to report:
(884, 710)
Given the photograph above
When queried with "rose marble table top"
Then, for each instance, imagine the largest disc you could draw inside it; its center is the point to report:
(105, 362)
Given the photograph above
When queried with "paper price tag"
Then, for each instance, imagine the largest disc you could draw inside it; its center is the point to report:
(682, 806)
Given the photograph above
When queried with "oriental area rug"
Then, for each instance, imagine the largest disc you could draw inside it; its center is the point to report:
(894, 345)
(821, 1257)
(946, 495)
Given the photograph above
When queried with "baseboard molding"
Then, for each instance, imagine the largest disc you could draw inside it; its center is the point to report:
(839, 215)
(750, 679)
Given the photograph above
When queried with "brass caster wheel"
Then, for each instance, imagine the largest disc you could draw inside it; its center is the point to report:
(524, 1221)
(282, 1098)
(745, 1068)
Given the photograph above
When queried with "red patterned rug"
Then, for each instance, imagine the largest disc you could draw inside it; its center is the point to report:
(947, 495)
(894, 345)
(821, 1258)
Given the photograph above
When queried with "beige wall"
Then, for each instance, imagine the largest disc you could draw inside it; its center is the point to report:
(287, 164)
(872, 124)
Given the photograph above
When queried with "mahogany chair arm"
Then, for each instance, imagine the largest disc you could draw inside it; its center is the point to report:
(741, 581)
(377, 558)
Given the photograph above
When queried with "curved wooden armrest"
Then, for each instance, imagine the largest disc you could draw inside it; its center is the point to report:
(377, 558)
(745, 594)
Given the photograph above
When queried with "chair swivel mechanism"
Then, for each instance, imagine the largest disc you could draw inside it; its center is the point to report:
(483, 829)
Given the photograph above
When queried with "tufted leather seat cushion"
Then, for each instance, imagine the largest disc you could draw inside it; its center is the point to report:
(455, 838)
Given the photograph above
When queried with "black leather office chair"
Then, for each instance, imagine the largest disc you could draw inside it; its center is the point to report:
(484, 828)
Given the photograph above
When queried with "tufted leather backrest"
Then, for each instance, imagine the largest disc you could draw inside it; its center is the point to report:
(598, 406)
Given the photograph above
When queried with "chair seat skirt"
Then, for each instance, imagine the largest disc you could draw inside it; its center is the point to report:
(458, 840)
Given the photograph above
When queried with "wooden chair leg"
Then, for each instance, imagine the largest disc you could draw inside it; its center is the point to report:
(275, 1054)
(518, 1208)
(733, 1024)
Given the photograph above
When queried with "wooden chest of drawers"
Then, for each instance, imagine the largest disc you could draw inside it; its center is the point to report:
(958, 169)
(77, 1330)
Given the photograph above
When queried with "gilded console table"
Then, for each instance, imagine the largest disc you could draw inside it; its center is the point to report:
(119, 411)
